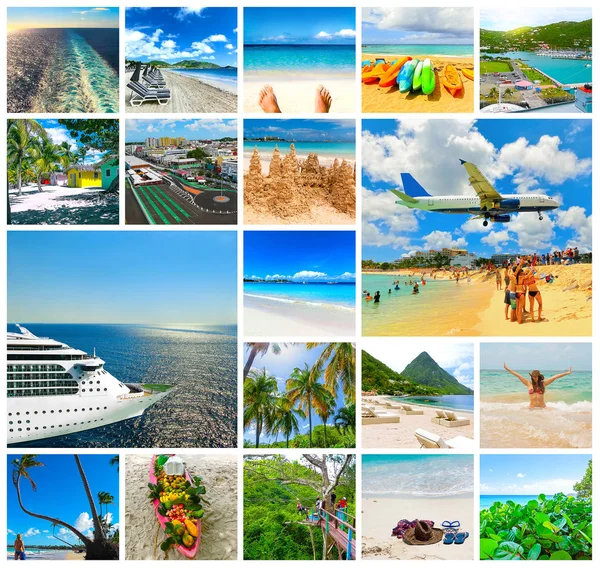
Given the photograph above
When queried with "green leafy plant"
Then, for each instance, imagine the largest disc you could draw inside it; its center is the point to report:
(557, 528)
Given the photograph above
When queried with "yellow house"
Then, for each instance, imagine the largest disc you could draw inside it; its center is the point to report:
(84, 176)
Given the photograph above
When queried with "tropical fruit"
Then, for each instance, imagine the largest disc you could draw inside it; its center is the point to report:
(191, 527)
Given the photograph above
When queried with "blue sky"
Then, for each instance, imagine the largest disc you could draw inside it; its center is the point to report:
(456, 358)
(59, 134)
(72, 17)
(281, 367)
(317, 256)
(417, 25)
(60, 494)
(549, 356)
(500, 19)
(319, 26)
(551, 157)
(191, 129)
(303, 130)
(176, 34)
(523, 474)
(122, 277)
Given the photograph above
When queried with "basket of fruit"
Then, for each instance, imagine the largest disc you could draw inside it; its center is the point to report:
(177, 500)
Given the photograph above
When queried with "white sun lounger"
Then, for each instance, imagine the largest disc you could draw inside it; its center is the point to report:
(393, 405)
(372, 416)
(453, 421)
(408, 409)
(433, 441)
(439, 416)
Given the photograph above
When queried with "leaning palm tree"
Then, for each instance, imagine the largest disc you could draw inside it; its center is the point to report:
(260, 349)
(338, 363)
(304, 390)
(259, 399)
(325, 411)
(98, 548)
(285, 418)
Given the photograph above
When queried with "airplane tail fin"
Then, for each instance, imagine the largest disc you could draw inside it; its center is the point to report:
(403, 196)
(412, 187)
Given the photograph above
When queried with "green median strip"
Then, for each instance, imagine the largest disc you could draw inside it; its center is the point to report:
(158, 211)
(141, 202)
(174, 203)
(169, 210)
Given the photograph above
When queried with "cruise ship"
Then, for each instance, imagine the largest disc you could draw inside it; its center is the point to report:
(54, 389)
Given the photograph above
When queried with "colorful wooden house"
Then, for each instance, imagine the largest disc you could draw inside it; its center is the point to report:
(84, 176)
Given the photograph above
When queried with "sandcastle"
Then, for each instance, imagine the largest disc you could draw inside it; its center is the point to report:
(293, 186)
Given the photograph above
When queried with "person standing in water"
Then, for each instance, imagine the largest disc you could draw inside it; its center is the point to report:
(537, 385)
(19, 547)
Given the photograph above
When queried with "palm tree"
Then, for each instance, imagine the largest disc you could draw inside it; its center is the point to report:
(81, 154)
(493, 93)
(20, 138)
(259, 400)
(105, 498)
(345, 419)
(44, 159)
(98, 548)
(114, 461)
(66, 156)
(338, 363)
(325, 411)
(285, 418)
(260, 349)
(304, 389)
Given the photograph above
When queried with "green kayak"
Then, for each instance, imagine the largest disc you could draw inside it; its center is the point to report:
(427, 77)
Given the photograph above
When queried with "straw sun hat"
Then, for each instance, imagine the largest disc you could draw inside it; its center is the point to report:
(422, 533)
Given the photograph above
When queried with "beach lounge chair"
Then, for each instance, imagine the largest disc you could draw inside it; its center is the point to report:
(433, 441)
(153, 80)
(439, 416)
(408, 409)
(393, 405)
(372, 416)
(141, 94)
(453, 421)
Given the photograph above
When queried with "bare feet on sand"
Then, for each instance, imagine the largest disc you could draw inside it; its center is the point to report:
(323, 100)
(268, 101)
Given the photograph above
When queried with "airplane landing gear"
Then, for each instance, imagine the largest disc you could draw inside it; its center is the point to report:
(540, 216)
(485, 223)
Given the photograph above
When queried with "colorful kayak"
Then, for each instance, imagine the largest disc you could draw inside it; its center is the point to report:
(389, 78)
(427, 77)
(469, 73)
(188, 552)
(451, 80)
(405, 77)
(376, 74)
(416, 86)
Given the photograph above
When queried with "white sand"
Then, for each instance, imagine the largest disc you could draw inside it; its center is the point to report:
(51, 197)
(298, 96)
(219, 524)
(380, 516)
(402, 434)
(265, 317)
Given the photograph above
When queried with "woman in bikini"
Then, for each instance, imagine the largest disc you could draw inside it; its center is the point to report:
(534, 295)
(537, 385)
(520, 292)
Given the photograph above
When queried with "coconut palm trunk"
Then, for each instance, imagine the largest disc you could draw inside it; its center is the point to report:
(98, 532)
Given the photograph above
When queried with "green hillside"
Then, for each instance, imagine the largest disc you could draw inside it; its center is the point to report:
(425, 371)
(561, 35)
(187, 64)
(377, 376)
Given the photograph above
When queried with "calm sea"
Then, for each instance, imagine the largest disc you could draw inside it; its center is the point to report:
(201, 361)
(563, 70)
(39, 553)
(416, 475)
(340, 294)
(305, 59)
(326, 149)
(224, 78)
(432, 50)
(105, 41)
(447, 401)
(486, 501)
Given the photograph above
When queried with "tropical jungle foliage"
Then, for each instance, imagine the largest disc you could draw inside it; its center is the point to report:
(546, 528)
(273, 528)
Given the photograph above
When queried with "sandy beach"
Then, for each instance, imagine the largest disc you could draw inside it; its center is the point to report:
(51, 197)
(266, 317)
(298, 95)
(265, 159)
(380, 516)
(402, 434)
(318, 214)
(376, 99)
(188, 95)
(219, 524)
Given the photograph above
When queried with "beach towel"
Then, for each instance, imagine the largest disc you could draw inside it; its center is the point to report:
(404, 524)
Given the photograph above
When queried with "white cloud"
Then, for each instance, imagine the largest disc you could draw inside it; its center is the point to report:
(219, 126)
(215, 38)
(437, 240)
(344, 34)
(575, 218)
(308, 275)
(230, 47)
(83, 522)
(496, 238)
(139, 44)
(188, 11)
(31, 532)
(520, 475)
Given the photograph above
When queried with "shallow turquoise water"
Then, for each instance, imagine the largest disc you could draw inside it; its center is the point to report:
(300, 58)
(448, 401)
(419, 49)
(338, 294)
(335, 149)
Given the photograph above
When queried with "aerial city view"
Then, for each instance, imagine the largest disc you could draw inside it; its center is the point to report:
(536, 68)
(181, 60)
(181, 172)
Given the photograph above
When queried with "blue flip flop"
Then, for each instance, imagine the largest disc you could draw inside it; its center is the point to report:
(461, 537)
(449, 538)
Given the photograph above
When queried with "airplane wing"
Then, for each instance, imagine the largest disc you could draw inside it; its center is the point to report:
(484, 189)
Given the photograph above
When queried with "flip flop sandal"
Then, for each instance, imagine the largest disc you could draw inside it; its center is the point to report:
(461, 537)
(449, 538)
(451, 524)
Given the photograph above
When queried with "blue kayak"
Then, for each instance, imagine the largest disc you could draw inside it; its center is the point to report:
(405, 77)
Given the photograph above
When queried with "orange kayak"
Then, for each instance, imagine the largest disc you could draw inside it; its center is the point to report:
(451, 80)
(468, 73)
(377, 73)
(366, 69)
(389, 78)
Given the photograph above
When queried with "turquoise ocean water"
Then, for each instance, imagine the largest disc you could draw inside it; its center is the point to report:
(39, 553)
(563, 70)
(486, 501)
(224, 78)
(416, 475)
(341, 294)
(302, 59)
(448, 401)
(332, 149)
(419, 49)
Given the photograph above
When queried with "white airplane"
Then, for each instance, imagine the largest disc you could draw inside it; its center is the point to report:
(488, 204)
